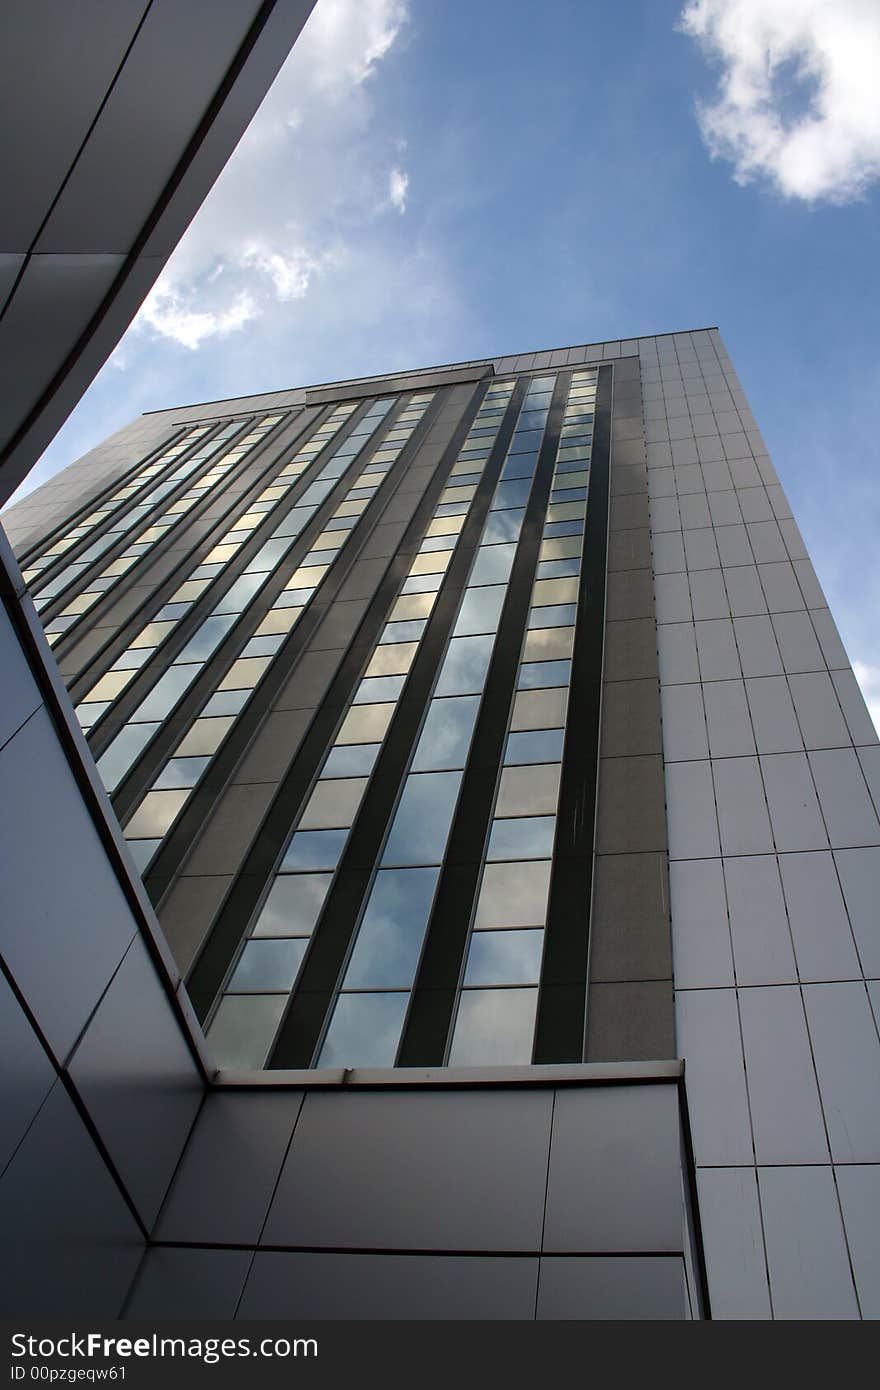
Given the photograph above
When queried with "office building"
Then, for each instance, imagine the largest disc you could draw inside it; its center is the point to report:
(497, 796)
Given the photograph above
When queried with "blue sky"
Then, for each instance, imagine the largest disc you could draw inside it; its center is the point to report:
(432, 180)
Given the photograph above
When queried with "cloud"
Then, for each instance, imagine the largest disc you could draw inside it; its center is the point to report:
(868, 678)
(398, 183)
(311, 174)
(799, 97)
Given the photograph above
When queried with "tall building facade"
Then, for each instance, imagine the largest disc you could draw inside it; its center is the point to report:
(497, 798)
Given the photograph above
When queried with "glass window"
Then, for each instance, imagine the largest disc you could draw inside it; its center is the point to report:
(535, 746)
(403, 632)
(532, 790)
(437, 543)
(243, 1028)
(432, 563)
(554, 615)
(368, 725)
(351, 760)
(245, 673)
(539, 709)
(564, 528)
(165, 693)
(205, 736)
(279, 620)
(445, 526)
(560, 548)
(534, 674)
(413, 606)
(494, 1027)
(422, 820)
(122, 753)
(513, 895)
(492, 565)
(504, 958)
(180, 772)
(565, 511)
(269, 964)
(392, 658)
(389, 940)
(465, 664)
(293, 905)
(262, 646)
(559, 569)
(446, 734)
(227, 702)
(155, 814)
(314, 849)
(527, 837)
(480, 610)
(526, 440)
(503, 526)
(555, 591)
(512, 494)
(333, 803)
(378, 688)
(422, 583)
(519, 466)
(364, 1031)
(548, 644)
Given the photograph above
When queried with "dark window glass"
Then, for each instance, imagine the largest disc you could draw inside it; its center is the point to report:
(564, 528)
(532, 419)
(389, 940)
(535, 746)
(422, 584)
(240, 594)
(119, 756)
(314, 849)
(227, 702)
(446, 734)
(422, 820)
(522, 837)
(465, 665)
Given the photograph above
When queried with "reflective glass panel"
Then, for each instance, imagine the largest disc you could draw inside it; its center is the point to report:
(465, 665)
(293, 905)
(528, 837)
(504, 958)
(364, 1031)
(268, 964)
(494, 1027)
(389, 940)
(446, 734)
(314, 849)
(480, 610)
(243, 1029)
(536, 746)
(513, 895)
(422, 820)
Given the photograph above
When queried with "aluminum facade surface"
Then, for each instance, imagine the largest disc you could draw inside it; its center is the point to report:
(75, 265)
(736, 802)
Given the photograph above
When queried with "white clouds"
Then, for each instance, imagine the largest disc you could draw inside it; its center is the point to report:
(309, 175)
(868, 678)
(398, 183)
(799, 93)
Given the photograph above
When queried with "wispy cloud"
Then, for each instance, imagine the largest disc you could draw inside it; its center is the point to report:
(309, 174)
(398, 183)
(798, 97)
